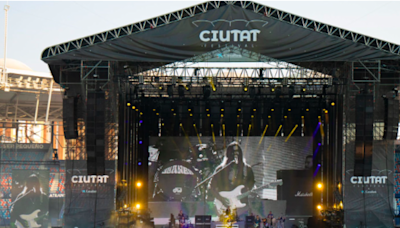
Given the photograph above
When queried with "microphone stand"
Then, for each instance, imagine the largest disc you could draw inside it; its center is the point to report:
(208, 178)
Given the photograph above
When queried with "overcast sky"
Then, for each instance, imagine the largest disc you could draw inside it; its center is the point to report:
(33, 26)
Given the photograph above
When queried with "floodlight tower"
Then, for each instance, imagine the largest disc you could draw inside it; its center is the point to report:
(4, 73)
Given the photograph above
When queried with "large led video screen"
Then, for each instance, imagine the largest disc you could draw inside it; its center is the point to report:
(220, 171)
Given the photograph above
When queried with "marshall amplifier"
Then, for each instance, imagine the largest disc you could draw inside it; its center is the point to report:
(202, 221)
(297, 190)
(249, 222)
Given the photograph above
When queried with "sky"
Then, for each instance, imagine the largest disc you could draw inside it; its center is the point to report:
(35, 25)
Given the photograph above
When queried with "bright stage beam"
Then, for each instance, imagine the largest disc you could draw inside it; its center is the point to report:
(197, 133)
(276, 134)
(291, 133)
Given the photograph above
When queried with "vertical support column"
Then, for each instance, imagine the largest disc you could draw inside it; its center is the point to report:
(16, 109)
(37, 107)
(49, 101)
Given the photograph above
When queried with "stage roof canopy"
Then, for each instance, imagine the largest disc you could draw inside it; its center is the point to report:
(214, 25)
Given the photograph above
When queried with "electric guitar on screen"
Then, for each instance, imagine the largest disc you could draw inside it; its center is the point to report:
(236, 195)
(31, 220)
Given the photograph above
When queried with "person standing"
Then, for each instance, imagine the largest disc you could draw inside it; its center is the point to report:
(228, 176)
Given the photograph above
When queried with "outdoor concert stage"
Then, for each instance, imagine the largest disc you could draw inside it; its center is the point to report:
(232, 101)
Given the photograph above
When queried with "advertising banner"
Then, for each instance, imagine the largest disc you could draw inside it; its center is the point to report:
(368, 200)
(89, 199)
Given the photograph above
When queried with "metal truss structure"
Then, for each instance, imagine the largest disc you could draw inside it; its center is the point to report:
(30, 96)
(211, 5)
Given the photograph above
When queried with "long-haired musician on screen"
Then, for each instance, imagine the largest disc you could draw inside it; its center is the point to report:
(228, 176)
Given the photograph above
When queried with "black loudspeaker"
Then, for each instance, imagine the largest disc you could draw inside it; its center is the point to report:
(95, 133)
(249, 222)
(391, 118)
(364, 135)
(69, 118)
(202, 221)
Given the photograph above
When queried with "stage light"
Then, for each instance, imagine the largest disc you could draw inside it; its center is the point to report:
(238, 116)
(128, 104)
(194, 125)
(191, 114)
(133, 107)
(222, 109)
(272, 89)
(341, 205)
(170, 90)
(289, 110)
(138, 184)
(189, 109)
(239, 110)
(160, 88)
(285, 117)
(157, 113)
(172, 109)
(245, 88)
(269, 116)
(187, 87)
(138, 206)
(307, 110)
(141, 113)
(207, 110)
(162, 124)
(222, 115)
(139, 163)
(214, 89)
(206, 91)
(304, 89)
(180, 124)
(181, 91)
(272, 109)
(154, 109)
(302, 117)
(141, 121)
(319, 207)
(174, 114)
(326, 111)
(333, 103)
(200, 155)
(140, 142)
(252, 116)
(319, 186)
(125, 206)
(254, 110)
(208, 115)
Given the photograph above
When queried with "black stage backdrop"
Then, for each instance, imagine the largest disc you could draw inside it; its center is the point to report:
(89, 199)
(30, 198)
(370, 203)
(178, 164)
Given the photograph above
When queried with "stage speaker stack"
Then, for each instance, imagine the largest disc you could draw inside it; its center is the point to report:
(95, 131)
(202, 221)
(391, 118)
(364, 118)
(249, 222)
(69, 118)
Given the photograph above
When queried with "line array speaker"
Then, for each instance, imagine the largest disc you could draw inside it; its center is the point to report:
(391, 118)
(95, 133)
(69, 118)
(364, 135)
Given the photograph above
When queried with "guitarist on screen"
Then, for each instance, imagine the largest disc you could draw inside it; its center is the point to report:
(27, 210)
(231, 178)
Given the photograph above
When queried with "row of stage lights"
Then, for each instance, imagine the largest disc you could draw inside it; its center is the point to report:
(129, 104)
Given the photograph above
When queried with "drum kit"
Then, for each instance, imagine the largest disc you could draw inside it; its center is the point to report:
(178, 179)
